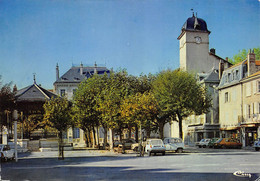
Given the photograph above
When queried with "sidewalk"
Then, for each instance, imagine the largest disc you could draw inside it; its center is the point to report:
(72, 153)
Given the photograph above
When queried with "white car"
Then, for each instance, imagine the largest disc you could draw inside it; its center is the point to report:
(6, 152)
(174, 144)
(257, 145)
(203, 143)
(154, 146)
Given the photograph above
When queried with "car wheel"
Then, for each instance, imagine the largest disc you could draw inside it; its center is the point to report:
(179, 150)
(163, 153)
(204, 146)
(256, 149)
(199, 146)
(135, 149)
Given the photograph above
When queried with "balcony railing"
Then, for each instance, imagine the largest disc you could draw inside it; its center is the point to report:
(249, 118)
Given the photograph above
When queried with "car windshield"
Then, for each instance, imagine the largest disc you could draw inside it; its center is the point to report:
(202, 140)
(156, 142)
(175, 140)
(219, 140)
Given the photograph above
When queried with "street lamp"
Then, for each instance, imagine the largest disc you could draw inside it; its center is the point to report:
(15, 116)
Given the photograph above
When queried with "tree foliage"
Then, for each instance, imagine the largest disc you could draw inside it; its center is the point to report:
(58, 112)
(139, 109)
(179, 95)
(6, 102)
(86, 114)
(242, 55)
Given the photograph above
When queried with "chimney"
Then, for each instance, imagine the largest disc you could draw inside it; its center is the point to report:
(81, 69)
(251, 67)
(221, 68)
(95, 68)
(213, 51)
(57, 72)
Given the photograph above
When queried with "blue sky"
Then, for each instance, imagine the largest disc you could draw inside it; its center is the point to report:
(139, 35)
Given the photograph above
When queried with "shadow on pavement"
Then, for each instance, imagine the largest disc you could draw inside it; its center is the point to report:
(112, 173)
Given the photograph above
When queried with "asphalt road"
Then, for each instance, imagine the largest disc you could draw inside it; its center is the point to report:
(200, 164)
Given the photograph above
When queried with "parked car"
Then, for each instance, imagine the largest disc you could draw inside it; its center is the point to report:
(126, 142)
(227, 143)
(212, 141)
(174, 144)
(135, 146)
(203, 143)
(6, 152)
(257, 145)
(154, 146)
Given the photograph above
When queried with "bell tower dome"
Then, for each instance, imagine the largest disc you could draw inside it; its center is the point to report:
(194, 45)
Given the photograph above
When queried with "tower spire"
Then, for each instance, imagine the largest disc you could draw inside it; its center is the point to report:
(34, 79)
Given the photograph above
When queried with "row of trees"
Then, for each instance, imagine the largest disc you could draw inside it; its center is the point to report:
(6, 103)
(120, 101)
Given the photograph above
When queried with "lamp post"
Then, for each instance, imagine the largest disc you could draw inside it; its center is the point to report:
(15, 116)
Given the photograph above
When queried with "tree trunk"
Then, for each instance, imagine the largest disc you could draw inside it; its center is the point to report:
(94, 137)
(136, 134)
(86, 136)
(61, 148)
(105, 138)
(129, 132)
(120, 134)
(180, 126)
(161, 126)
(89, 137)
(97, 135)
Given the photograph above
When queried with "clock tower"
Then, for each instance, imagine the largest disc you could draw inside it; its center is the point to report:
(194, 46)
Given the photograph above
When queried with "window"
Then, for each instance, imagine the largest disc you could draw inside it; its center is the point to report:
(249, 107)
(229, 77)
(76, 133)
(248, 89)
(226, 97)
(233, 76)
(258, 86)
(237, 75)
(62, 92)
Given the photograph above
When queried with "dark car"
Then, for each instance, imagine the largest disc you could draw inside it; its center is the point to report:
(125, 142)
(227, 143)
(212, 141)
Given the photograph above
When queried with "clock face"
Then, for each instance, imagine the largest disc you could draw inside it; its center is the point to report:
(198, 39)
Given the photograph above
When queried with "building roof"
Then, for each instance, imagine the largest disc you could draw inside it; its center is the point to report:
(33, 93)
(210, 77)
(195, 24)
(73, 75)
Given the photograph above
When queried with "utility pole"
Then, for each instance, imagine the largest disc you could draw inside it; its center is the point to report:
(15, 116)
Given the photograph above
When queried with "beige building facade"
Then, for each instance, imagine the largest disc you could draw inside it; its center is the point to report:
(195, 57)
(239, 99)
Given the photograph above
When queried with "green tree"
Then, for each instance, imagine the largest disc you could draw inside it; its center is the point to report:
(86, 114)
(139, 109)
(6, 103)
(242, 55)
(58, 112)
(115, 89)
(179, 95)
